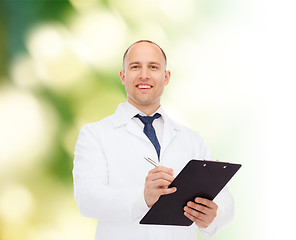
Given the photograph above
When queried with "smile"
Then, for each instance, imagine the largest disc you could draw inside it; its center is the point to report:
(143, 86)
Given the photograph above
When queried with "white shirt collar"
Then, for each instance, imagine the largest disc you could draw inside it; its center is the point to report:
(132, 111)
(126, 112)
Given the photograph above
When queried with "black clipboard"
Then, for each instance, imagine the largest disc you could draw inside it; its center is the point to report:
(199, 178)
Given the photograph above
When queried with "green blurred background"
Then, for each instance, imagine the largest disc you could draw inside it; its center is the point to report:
(232, 67)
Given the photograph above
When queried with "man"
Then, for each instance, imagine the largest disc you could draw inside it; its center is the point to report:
(112, 181)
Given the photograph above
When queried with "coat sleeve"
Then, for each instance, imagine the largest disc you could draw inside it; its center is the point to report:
(94, 196)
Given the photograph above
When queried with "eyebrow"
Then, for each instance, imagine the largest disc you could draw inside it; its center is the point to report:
(134, 63)
(149, 63)
(154, 63)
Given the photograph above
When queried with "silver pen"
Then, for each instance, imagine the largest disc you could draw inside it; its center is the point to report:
(155, 164)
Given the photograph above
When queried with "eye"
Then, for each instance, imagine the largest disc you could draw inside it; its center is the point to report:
(134, 67)
(154, 67)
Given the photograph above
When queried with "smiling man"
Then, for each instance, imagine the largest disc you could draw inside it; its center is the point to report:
(144, 76)
(112, 181)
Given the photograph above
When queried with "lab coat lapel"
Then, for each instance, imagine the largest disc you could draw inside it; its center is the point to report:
(120, 119)
(134, 129)
(169, 133)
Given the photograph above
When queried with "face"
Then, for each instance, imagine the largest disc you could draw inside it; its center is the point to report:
(144, 75)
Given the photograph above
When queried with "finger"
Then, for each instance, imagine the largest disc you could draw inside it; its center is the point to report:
(166, 191)
(199, 216)
(196, 217)
(208, 213)
(211, 213)
(198, 222)
(159, 175)
(198, 207)
(159, 183)
(169, 171)
(194, 213)
(206, 202)
(163, 191)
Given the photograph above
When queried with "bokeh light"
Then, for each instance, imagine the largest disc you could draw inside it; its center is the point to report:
(29, 134)
(99, 32)
(57, 63)
(16, 204)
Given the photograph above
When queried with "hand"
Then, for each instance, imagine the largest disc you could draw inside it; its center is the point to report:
(202, 211)
(156, 184)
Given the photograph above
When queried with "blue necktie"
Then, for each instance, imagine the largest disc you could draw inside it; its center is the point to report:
(149, 130)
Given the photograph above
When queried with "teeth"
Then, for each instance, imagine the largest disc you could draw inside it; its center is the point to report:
(144, 86)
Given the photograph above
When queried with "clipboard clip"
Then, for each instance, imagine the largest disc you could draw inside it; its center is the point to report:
(204, 165)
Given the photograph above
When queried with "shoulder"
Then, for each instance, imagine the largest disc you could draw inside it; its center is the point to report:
(200, 146)
(103, 123)
(184, 130)
(192, 138)
(107, 124)
(94, 128)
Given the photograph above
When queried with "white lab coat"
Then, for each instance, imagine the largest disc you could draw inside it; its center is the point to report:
(109, 175)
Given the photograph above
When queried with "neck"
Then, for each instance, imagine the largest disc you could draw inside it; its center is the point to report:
(147, 109)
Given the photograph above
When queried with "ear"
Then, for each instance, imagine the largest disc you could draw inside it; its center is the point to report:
(122, 77)
(167, 77)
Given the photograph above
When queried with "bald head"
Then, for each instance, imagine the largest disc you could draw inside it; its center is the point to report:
(143, 41)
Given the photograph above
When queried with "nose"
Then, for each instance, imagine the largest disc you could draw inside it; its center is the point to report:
(144, 73)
